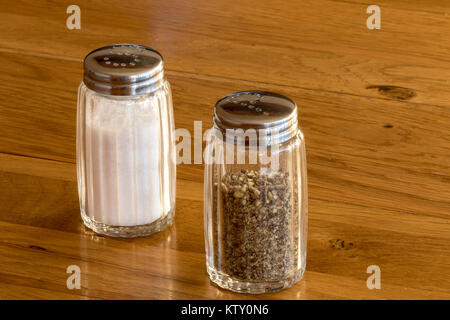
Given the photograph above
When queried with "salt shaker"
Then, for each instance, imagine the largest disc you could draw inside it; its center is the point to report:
(256, 200)
(125, 148)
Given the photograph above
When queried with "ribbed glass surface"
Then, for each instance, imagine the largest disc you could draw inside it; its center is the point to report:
(126, 161)
(256, 218)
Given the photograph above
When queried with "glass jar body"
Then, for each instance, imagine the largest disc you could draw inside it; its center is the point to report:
(126, 162)
(256, 215)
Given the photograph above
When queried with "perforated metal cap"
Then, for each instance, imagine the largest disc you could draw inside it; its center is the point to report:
(257, 110)
(124, 70)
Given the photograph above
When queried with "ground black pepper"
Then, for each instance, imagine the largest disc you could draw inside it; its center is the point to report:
(257, 215)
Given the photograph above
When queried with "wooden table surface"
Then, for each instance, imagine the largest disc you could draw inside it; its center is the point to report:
(374, 106)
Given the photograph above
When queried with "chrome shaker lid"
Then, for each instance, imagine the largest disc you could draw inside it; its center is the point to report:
(123, 70)
(257, 110)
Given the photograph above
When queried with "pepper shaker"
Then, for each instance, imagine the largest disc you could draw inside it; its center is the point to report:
(255, 204)
(125, 148)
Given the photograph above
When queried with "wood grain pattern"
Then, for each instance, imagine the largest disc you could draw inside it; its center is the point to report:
(348, 142)
(147, 271)
(313, 44)
(343, 240)
(378, 164)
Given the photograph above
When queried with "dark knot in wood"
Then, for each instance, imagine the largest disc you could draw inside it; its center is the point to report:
(394, 92)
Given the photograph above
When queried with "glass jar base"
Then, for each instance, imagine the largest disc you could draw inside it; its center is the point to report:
(128, 231)
(229, 283)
